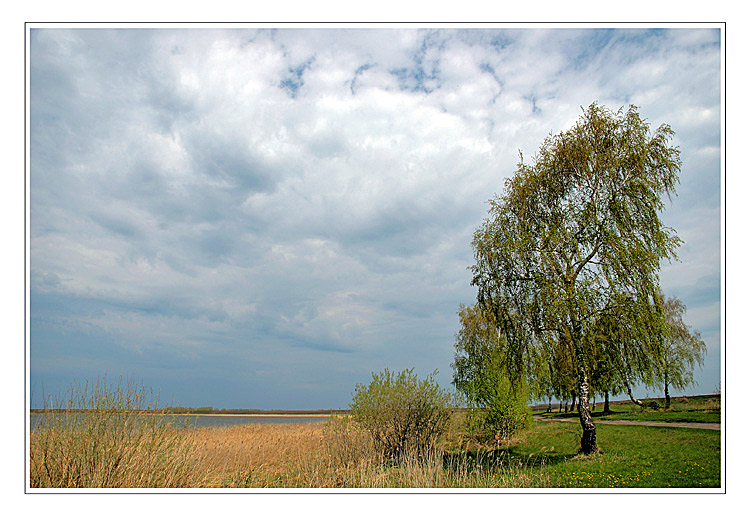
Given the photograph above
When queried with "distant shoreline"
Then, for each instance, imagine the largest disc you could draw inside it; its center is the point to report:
(201, 414)
(247, 415)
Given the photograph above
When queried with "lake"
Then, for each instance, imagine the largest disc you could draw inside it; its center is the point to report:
(201, 421)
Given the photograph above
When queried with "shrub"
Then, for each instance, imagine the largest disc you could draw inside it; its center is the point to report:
(405, 416)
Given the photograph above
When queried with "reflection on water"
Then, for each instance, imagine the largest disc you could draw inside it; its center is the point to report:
(205, 421)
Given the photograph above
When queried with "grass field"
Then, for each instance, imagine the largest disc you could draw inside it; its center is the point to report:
(632, 456)
(696, 409)
(336, 454)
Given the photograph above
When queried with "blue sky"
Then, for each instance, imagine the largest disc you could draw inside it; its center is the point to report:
(260, 218)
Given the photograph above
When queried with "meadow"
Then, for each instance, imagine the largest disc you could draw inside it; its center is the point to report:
(114, 445)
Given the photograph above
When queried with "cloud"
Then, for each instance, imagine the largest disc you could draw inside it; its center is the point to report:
(284, 211)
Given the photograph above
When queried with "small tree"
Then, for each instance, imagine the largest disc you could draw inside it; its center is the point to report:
(680, 351)
(405, 416)
(498, 403)
(503, 411)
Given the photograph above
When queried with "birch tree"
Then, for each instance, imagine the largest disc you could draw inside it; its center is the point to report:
(574, 233)
(680, 350)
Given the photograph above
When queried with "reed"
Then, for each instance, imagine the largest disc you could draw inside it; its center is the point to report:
(107, 436)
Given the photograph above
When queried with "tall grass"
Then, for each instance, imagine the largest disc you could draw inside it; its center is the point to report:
(107, 435)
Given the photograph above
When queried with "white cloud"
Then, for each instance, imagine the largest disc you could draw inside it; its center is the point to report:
(262, 196)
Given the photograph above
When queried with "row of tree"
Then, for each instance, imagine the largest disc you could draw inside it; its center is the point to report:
(567, 271)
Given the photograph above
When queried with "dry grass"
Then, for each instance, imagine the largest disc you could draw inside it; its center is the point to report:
(101, 437)
(325, 454)
(256, 455)
(146, 458)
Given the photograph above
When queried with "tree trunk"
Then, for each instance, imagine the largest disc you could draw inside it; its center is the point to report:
(588, 439)
(566, 405)
(630, 393)
(573, 404)
(666, 393)
(549, 404)
(606, 402)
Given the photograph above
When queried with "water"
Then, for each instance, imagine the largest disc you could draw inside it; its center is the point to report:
(218, 421)
(201, 421)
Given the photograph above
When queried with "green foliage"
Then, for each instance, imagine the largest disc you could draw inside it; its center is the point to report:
(479, 346)
(405, 416)
(497, 399)
(502, 414)
(625, 338)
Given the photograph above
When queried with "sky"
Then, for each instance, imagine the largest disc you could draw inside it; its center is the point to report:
(261, 218)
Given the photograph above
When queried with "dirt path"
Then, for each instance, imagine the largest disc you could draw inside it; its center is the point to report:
(706, 426)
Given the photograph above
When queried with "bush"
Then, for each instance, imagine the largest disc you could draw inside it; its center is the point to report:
(406, 417)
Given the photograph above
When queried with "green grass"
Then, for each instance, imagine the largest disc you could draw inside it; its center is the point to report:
(697, 409)
(632, 457)
(665, 416)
